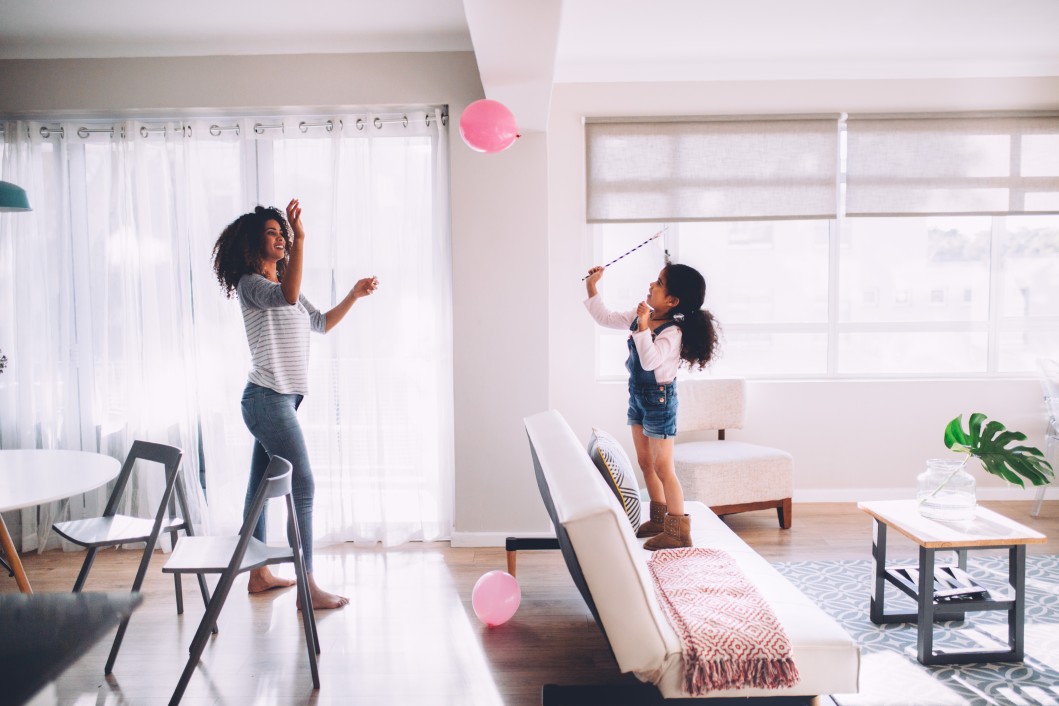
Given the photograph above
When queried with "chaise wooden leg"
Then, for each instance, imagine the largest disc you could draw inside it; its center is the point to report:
(784, 511)
(513, 544)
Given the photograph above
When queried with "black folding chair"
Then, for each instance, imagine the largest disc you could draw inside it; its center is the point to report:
(113, 529)
(233, 555)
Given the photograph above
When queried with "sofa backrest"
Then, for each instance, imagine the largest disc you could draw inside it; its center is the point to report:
(711, 403)
(605, 559)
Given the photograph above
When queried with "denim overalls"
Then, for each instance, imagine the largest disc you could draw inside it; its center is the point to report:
(651, 405)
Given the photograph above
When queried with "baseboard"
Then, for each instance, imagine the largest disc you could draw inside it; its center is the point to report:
(492, 539)
(851, 495)
(824, 495)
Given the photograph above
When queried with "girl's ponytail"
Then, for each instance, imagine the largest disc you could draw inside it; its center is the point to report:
(699, 341)
(698, 326)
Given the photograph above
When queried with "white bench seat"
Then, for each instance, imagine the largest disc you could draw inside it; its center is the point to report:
(609, 566)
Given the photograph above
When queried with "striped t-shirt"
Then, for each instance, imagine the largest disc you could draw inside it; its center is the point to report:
(278, 335)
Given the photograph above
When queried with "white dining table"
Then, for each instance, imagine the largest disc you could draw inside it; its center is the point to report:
(31, 477)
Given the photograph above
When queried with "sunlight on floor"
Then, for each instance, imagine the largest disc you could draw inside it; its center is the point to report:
(393, 628)
(887, 679)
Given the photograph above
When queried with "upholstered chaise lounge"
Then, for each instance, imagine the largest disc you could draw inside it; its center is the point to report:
(609, 567)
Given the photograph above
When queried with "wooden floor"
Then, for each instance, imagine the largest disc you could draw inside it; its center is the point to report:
(409, 635)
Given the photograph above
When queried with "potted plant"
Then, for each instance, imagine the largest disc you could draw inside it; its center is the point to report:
(946, 490)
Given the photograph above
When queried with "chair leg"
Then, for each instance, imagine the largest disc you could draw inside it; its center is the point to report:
(179, 594)
(137, 584)
(177, 586)
(198, 643)
(1038, 501)
(312, 639)
(784, 510)
(205, 591)
(86, 566)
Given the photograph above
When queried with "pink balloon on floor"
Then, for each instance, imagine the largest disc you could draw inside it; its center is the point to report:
(495, 597)
(488, 126)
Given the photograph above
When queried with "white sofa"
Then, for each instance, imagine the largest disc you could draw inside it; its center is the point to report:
(609, 567)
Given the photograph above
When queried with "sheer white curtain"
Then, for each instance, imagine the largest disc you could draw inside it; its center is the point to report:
(116, 329)
(98, 308)
(378, 417)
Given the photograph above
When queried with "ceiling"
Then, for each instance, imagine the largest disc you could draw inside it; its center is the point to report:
(524, 46)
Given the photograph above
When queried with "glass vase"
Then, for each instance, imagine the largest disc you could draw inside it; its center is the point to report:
(945, 491)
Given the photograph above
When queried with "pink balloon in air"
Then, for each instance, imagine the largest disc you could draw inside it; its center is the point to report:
(495, 597)
(488, 126)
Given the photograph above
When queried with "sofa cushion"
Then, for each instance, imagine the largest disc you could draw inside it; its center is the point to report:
(616, 468)
(732, 472)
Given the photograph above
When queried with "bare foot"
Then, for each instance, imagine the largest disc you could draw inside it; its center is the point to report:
(262, 580)
(321, 599)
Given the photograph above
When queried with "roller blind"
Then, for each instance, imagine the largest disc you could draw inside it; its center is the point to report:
(711, 170)
(952, 165)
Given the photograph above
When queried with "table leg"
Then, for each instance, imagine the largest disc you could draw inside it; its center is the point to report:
(12, 556)
(925, 622)
(1017, 612)
(878, 565)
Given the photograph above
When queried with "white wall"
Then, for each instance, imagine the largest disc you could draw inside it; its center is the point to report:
(850, 439)
(522, 340)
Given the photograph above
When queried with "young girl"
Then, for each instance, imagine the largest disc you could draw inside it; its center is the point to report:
(667, 328)
(259, 257)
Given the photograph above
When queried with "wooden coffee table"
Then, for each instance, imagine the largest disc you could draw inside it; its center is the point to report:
(944, 592)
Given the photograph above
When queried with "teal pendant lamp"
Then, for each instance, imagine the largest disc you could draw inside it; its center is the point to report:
(13, 198)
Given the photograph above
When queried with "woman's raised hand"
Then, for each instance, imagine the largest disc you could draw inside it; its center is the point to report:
(365, 287)
(294, 217)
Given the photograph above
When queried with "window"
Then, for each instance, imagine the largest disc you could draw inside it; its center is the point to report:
(885, 297)
(843, 246)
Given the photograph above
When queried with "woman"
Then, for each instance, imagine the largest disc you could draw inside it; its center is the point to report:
(260, 257)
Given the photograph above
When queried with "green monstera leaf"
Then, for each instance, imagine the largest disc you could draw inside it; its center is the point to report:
(988, 442)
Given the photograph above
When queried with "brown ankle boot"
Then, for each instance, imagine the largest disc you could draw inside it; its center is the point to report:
(677, 533)
(654, 525)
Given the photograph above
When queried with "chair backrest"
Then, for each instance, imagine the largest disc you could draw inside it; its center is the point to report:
(276, 483)
(168, 456)
(1050, 384)
(711, 404)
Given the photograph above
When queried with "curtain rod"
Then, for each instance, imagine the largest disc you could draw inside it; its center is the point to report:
(259, 128)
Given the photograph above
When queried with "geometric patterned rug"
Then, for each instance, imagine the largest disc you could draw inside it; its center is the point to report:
(890, 674)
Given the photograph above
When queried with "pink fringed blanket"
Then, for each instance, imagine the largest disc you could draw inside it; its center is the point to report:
(730, 636)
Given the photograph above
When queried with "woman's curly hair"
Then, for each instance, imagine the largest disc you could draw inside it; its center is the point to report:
(698, 327)
(238, 250)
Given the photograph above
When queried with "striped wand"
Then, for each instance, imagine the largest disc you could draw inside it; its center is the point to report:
(661, 232)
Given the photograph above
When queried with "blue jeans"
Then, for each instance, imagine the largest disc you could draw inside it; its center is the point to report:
(273, 420)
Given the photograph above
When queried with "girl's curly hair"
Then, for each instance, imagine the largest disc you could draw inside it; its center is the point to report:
(698, 327)
(238, 250)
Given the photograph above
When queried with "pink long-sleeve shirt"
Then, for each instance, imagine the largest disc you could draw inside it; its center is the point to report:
(662, 354)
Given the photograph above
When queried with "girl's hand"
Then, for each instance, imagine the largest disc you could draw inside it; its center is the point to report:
(643, 316)
(365, 287)
(294, 217)
(590, 281)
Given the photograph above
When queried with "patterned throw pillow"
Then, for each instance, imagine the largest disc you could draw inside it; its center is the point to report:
(611, 460)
